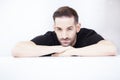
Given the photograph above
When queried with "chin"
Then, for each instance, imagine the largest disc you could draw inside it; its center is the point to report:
(66, 45)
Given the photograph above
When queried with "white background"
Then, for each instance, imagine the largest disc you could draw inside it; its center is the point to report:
(22, 20)
(60, 68)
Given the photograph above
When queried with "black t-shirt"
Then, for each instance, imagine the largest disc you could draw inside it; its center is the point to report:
(85, 37)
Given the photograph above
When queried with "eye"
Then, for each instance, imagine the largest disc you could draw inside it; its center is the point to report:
(70, 28)
(58, 29)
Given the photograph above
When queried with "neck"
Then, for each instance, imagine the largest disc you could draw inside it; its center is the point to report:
(74, 41)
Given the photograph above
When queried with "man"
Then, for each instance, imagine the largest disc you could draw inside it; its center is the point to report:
(67, 39)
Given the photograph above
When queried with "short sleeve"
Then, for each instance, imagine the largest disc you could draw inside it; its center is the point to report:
(87, 37)
(93, 37)
(46, 39)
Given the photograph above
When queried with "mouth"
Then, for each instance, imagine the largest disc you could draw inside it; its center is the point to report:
(65, 42)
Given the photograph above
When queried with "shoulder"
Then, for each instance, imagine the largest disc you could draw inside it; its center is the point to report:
(47, 35)
(45, 39)
(88, 36)
(50, 33)
(86, 31)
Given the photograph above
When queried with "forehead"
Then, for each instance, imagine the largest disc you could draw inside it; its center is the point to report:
(64, 21)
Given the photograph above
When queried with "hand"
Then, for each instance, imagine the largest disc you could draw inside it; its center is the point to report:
(66, 53)
(61, 49)
(60, 55)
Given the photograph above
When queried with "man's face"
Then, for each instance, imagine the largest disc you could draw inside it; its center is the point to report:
(66, 29)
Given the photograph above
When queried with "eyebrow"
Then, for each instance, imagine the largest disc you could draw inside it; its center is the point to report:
(69, 26)
(60, 27)
(57, 26)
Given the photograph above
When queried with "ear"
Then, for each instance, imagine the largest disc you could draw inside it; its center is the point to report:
(78, 26)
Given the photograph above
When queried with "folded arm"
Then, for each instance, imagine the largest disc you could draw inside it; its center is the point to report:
(102, 48)
(30, 49)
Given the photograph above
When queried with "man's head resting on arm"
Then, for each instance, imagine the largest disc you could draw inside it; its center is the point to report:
(66, 25)
(67, 39)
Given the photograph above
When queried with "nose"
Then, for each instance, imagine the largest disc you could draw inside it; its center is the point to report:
(64, 35)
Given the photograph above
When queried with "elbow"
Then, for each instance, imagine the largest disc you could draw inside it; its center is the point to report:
(112, 51)
(109, 48)
(15, 52)
(111, 54)
(23, 49)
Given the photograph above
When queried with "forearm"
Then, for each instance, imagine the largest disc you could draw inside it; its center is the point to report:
(33, 51)
(102, 48)
(29, 49)
(96, 50)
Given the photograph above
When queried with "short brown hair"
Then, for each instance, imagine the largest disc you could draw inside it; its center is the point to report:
(65, 11)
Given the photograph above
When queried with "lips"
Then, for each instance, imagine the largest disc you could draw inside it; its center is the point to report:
(65, 41)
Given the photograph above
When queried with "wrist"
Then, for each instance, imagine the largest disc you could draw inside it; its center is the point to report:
(60, 49)
(57, 49)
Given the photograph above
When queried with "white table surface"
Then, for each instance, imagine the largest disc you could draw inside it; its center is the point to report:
(60, 68)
